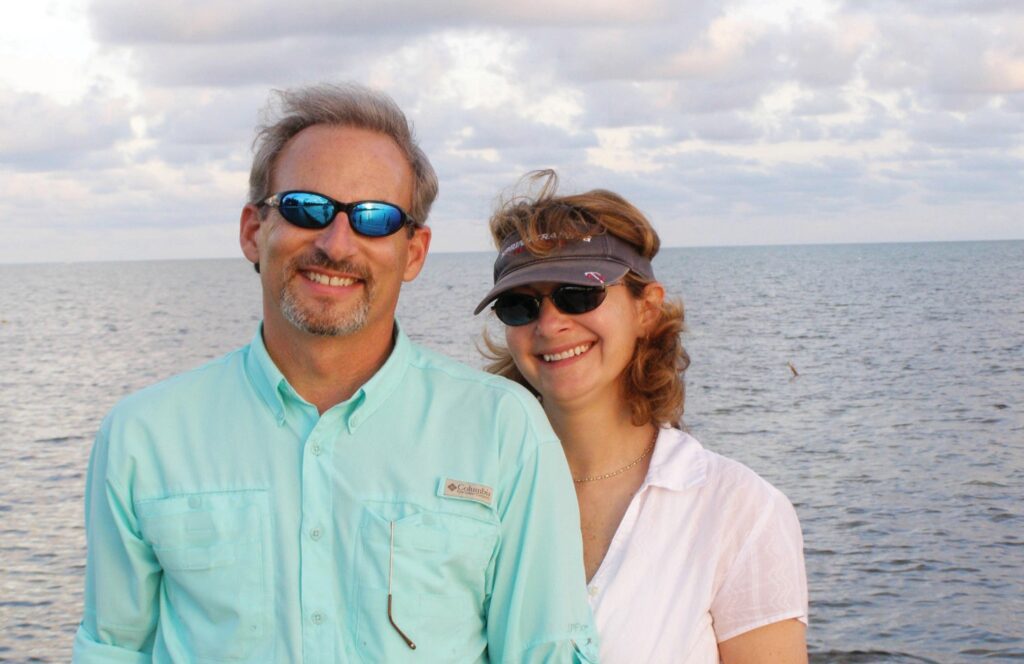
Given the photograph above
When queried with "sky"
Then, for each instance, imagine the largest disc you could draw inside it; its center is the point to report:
(127, 124)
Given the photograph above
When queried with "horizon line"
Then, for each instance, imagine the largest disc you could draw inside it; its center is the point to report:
(488, 251)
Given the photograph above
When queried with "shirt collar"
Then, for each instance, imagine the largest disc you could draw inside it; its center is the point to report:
(265, 377)
(376, 391)
(273, 388)
(678, 462)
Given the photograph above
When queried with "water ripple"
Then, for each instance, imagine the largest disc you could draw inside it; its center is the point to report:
(901, 442)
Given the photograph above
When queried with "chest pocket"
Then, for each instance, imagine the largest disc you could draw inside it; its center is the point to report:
(215, 555)
(438, 564)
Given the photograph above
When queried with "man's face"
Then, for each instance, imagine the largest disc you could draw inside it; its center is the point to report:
(333, 281)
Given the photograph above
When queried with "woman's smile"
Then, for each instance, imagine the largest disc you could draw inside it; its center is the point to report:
(569, 353)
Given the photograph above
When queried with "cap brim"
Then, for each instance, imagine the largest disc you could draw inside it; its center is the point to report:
(566, 270)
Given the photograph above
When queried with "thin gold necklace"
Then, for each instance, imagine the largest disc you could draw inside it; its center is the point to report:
(594, 478)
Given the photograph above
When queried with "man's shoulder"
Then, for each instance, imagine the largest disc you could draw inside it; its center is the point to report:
(193, 386)
(441, 369)
(487, 401)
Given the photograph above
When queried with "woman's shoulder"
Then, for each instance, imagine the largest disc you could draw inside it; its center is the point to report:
(724, 482)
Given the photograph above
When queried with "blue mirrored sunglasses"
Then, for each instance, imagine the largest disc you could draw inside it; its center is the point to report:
(308, 209)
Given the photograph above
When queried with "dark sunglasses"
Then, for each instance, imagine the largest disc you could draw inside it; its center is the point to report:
(308, 209)
(516, 309)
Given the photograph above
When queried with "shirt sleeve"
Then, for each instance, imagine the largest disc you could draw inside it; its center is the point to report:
(122, 576)
(538, 610)
(766, 581)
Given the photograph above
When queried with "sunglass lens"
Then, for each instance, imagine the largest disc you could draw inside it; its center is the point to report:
(375, 219)
(307, 210)
(577, 299)
(516, 308)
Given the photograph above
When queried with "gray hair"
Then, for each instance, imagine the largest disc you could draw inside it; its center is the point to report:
(348, 105)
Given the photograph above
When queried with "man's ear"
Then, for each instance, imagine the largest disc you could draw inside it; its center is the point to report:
(416, 254)
(248, 233)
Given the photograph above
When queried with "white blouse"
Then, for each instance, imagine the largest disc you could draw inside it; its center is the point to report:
(707, 550)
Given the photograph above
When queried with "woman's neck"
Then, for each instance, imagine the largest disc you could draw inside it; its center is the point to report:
(598, 438)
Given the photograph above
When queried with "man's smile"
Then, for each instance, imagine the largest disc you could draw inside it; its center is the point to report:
(327, 280)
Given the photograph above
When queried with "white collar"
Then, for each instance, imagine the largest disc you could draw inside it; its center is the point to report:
(678, 462)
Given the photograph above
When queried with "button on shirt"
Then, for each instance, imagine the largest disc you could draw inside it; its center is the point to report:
(706, 551)
(228, 520)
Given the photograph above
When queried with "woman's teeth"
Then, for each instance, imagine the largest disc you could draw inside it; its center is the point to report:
(329, 281)
(566, 354)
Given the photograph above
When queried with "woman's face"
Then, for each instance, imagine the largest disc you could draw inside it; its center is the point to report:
(576, 359)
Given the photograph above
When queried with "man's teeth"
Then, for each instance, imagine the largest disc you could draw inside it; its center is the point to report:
(329, 281)
(566, 354)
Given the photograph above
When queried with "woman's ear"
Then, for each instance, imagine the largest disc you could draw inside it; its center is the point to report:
(650, 301)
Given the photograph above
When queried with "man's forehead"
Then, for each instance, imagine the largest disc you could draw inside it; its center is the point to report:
(328, 136)
(323, 153)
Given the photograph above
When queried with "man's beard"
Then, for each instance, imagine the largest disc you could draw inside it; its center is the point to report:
(321, 320)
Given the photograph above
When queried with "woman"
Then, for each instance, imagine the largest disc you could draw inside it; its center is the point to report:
(689, 556)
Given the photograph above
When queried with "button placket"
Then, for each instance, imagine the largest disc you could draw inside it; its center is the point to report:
(316, 548)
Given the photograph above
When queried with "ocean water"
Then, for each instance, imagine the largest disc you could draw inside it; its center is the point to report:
(901, 442)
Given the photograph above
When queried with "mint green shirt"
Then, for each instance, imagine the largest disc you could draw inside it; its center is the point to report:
(228, 522)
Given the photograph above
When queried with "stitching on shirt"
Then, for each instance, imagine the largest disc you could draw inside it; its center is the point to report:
(219, 492)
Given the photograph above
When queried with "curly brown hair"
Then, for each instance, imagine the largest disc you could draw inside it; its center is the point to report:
(653, 382)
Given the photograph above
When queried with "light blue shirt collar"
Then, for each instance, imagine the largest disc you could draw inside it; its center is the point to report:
(282, 399)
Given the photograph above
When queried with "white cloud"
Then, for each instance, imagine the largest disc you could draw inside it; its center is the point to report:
(746, 120)
(39, 133)
(223, 21)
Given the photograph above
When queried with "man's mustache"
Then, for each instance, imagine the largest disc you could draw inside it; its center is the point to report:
(319, 259)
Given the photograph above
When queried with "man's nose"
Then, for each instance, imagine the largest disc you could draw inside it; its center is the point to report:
(338, 240)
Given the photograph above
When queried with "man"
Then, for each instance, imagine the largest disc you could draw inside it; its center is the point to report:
(332, 492)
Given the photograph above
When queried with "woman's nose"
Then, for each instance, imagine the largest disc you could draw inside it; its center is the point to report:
(550, 320)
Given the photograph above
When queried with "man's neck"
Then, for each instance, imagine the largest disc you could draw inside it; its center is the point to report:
(328, 370)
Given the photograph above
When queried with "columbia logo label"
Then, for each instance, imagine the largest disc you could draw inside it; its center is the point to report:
(480, 493)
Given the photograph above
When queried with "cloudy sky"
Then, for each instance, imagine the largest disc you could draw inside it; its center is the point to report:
(127, 123)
